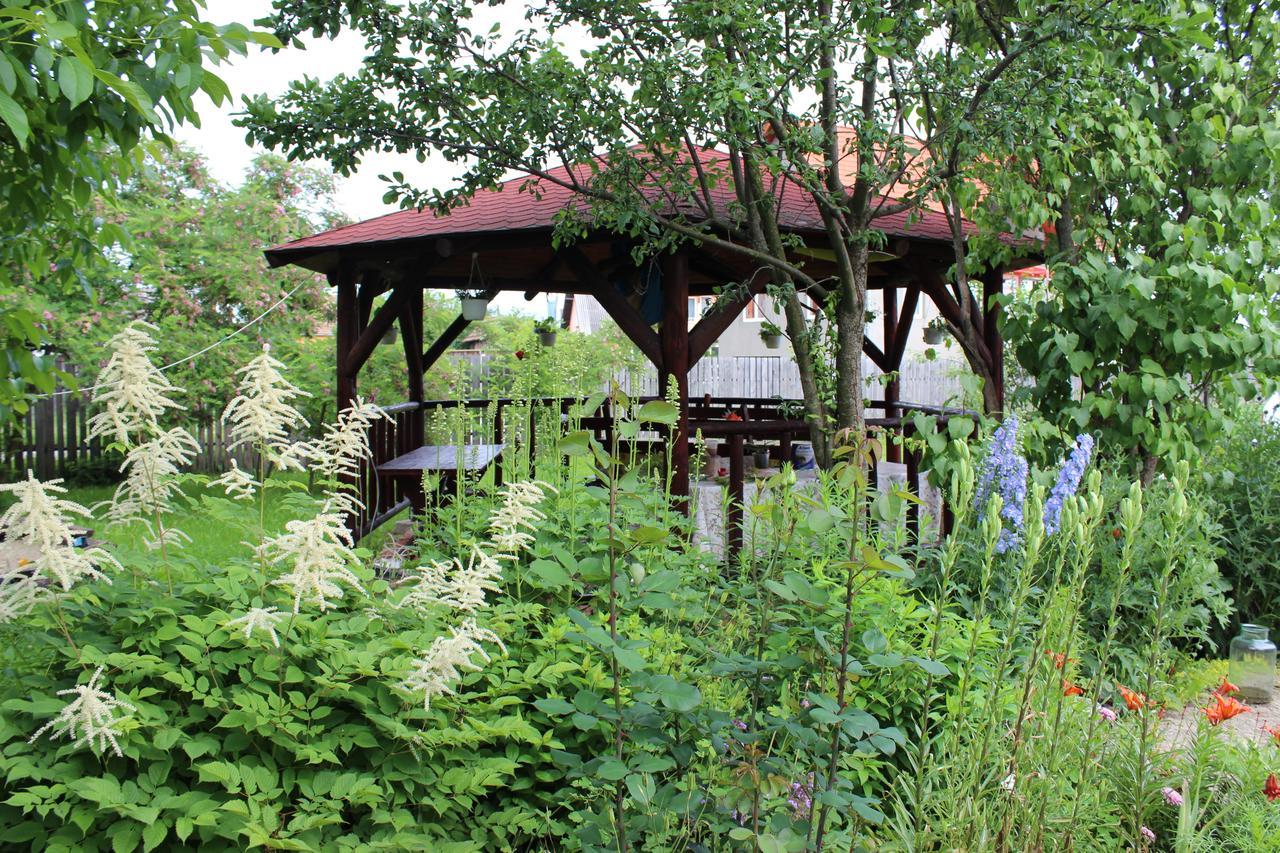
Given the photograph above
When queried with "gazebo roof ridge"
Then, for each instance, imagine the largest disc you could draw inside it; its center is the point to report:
(512, 208)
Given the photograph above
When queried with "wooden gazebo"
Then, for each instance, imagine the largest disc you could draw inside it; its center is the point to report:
(502, 241)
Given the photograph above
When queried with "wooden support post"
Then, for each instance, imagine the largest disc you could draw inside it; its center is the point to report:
(348, 319)
(992, 287)
(414, 422)
(892, 388)
(675, 361)
(737, 497)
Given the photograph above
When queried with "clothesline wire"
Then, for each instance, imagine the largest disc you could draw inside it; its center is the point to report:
(187, 358)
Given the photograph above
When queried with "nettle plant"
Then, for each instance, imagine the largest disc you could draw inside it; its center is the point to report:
(283, 698)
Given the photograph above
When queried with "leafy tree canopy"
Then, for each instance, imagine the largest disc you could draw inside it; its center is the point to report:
(82, 85)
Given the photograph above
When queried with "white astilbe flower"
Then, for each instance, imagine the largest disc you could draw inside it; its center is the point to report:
(237, 483)
(435, 673)
(448, 583)
(132, 393)
(151, 476)
(39, 517)
(513, 521)
(345, 444)
(262, 619)
(318, 550)
(262, 415)
(20, 592)
(89, 719)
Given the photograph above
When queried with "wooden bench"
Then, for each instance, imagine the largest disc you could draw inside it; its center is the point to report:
(443, 460)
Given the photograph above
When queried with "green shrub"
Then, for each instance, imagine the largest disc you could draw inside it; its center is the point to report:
(1242, 478)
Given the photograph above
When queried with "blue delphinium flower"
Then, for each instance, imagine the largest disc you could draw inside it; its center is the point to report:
(1068, 482)
(1004, 470)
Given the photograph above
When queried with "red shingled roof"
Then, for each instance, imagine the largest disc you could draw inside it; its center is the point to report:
(508, 209)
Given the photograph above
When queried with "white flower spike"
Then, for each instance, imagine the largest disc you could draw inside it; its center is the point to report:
(263, 619)
(90, 718)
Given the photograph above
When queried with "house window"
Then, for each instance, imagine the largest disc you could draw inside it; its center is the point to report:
(698, 306)
(754, 312)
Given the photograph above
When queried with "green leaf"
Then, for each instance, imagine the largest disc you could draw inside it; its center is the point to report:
(551, 574)
(677, 695)
(658, 412)
(553, 706)
(14, 116)
(612, 770)
(75, 79)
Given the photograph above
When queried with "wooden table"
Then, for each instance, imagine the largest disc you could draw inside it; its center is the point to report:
(442, 460)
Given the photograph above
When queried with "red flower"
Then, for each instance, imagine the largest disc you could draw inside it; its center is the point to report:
(1272, 788)
(1224, 708)
(1069, 689)
(1226, 688)
(732, 416)
(1115, 533)
(520, 354)
(1059, 658)
(1275, 733)
(1134, 701)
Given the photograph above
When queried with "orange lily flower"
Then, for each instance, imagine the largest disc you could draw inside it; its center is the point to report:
(1134, 701)
(1226, 688)
(1069, 689)
(1274, 732)
(1272, 788)
(1224, 708)
(1059, 658)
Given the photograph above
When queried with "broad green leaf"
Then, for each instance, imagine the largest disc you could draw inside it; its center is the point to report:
(658, 412)
(14, 116)
(75, 79)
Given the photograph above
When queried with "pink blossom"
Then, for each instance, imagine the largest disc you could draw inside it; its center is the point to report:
(1148, 834)
(1171, 796)
(1106, 713)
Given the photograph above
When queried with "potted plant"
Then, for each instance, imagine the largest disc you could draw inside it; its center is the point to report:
(475, 304)
(771, 335)
(760, 456)
(935, 331)
(546, 329)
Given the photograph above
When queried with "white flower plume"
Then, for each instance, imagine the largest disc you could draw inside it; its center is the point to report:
(237, 483)
(345, 444)
(20, 592)
(262, 414)
(40, 518)
(319, 553)
(435, 673)
(513, 521)
(132, 392)
(90, 718)
(151, 476)
(450, 584)
(264, 619)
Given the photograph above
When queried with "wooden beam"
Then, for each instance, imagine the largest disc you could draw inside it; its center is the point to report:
(892, 336)
(442, 343)
(713, 324)
(675, 362)
(380, 324)
(992, 288)
(874, 353)
(348, 315)
(902, 329)
(617, 307)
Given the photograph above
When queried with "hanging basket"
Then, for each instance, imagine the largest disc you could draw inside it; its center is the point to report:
(933, 335)
(547, 339)
(474, 307)
(772, 341)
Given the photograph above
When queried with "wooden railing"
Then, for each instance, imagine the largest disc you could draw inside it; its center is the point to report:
(493, 421)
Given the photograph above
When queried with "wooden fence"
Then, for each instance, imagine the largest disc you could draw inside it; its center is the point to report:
(52, 441)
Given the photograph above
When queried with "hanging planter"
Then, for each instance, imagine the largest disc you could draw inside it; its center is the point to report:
(474, 298)
(474, 307)
(760, 457)
(771, 335)
(935, 332)
(546, 330)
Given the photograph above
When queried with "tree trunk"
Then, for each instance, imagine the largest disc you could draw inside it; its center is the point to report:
(798, 331)
(850, 331)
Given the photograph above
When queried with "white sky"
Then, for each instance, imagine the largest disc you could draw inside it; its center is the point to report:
(262, 71)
